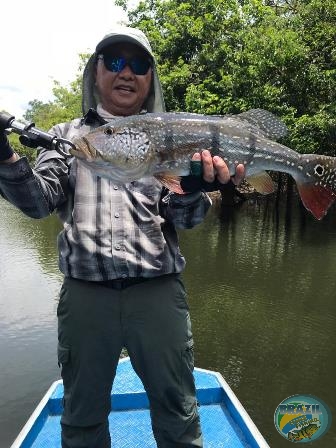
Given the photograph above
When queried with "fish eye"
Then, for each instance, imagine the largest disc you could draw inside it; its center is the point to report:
(108, 131)
(319, 170)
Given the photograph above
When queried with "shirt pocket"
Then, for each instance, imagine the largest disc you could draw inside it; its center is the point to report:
(149, 187)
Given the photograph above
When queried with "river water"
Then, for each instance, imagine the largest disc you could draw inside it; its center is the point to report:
(262, 287)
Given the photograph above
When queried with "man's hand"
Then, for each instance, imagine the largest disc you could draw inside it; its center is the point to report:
(215, 174)
(215, 168)
(6, 152)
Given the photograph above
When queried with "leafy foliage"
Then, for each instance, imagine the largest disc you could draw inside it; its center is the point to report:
(65, 106)
(20, 149)
(227, 56)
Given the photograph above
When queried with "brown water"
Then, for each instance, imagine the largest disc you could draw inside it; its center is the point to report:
(261, 289)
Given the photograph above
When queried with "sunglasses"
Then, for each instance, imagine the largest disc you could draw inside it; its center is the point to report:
(116, 64)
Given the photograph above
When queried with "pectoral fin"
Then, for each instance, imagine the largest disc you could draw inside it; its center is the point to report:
(170, 181)
(262, 182)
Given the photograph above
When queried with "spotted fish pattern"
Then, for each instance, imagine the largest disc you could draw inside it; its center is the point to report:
(162, 145)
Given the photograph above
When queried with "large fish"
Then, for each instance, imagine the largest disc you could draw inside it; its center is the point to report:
(163, 144)
(304, 433)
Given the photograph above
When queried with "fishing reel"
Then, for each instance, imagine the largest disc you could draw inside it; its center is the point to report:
(33, 137)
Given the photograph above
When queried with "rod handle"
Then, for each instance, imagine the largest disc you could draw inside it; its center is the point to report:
(5, 120)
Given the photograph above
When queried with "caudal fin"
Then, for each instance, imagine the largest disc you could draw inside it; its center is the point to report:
(316, 182)
(316, 198)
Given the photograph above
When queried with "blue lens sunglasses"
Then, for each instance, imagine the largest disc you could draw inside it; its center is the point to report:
(116, 64)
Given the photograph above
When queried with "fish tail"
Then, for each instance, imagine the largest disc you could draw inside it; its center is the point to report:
(316, 183)
(316, 199)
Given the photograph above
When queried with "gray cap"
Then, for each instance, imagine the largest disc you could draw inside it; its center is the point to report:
(125, 34)
(155, 102)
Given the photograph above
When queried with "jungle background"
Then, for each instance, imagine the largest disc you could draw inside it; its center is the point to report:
(228, 56)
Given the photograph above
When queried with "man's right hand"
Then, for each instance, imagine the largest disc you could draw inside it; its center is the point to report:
(7, 154)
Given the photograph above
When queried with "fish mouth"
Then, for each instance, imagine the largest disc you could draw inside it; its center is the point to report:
(84, 149)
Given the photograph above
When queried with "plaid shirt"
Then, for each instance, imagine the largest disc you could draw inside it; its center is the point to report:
(109, 231)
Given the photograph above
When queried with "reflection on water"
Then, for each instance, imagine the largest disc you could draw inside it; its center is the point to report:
(262, 296)
(29, 284)
(261, 289)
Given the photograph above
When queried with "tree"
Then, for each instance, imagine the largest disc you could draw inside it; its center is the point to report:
(65, 106)
(226, 56)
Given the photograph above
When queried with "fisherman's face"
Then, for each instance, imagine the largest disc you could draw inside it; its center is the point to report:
(123, 93)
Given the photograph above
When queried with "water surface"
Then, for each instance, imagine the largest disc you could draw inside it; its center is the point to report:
(261, 289)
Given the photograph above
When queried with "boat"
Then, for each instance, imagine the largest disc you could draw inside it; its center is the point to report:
(225, 422)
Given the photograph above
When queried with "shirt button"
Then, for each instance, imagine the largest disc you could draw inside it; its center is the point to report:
(116, 215)
(115, 187)
(117, 247)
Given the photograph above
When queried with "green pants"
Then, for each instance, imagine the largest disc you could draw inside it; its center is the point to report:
(151, 320)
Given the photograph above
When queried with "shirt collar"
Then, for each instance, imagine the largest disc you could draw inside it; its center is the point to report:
(92, 117)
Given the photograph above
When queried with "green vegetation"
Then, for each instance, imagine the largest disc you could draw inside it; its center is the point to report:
(227, 56)
(65, 106)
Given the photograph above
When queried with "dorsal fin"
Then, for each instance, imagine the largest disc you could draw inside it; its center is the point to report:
(270, 125)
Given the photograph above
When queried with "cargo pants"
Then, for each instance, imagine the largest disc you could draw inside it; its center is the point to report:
(151, 320)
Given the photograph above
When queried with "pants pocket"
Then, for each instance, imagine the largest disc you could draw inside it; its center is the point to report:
(188, 382)
(63, 355)
(64, 361)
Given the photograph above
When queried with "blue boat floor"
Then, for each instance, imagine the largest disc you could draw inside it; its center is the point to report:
(132, 429)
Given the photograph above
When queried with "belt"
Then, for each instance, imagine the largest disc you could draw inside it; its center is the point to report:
(122, 283)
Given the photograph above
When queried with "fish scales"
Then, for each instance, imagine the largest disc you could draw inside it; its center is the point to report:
(162, 145)
(226, 141)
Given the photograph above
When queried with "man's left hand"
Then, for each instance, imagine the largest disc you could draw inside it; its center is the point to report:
(215, 174)
(215, 168)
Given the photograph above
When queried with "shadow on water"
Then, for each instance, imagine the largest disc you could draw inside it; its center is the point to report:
(278, 211)
(261, 283)
(30, 282)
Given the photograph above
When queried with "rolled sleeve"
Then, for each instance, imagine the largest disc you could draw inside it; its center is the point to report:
(35, 192)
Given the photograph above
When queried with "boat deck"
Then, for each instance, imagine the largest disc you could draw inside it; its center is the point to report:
(224, 421)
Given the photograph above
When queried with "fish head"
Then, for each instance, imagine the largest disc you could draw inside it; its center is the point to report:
(321, 169)
(120, 153)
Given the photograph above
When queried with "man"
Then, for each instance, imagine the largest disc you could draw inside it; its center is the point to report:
(120, 257)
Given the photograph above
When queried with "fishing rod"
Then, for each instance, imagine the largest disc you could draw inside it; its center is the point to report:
(33, 137)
